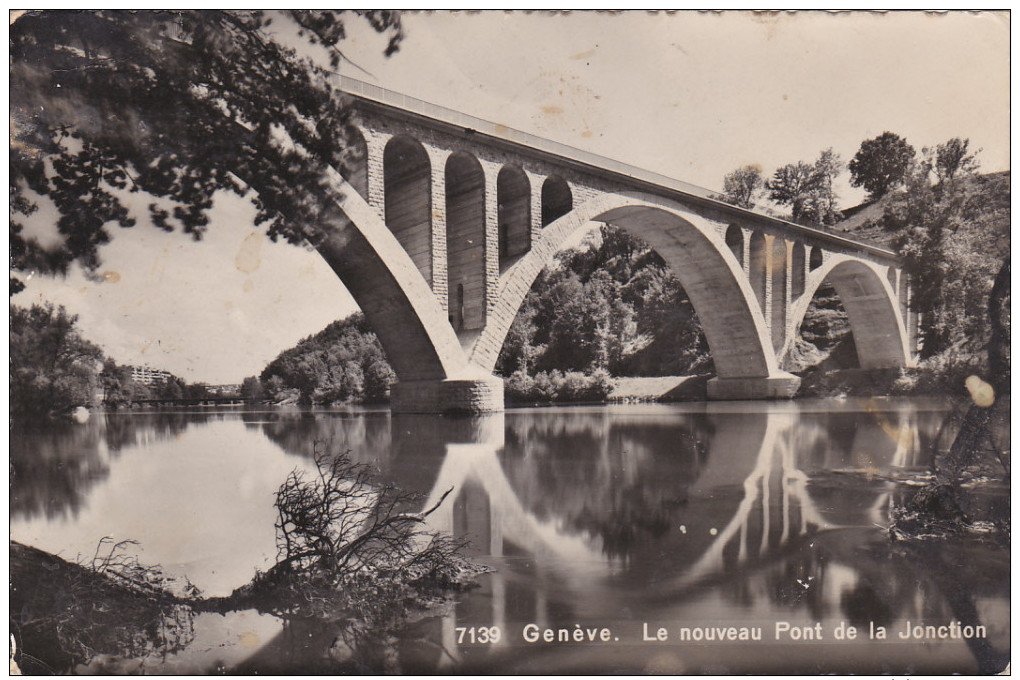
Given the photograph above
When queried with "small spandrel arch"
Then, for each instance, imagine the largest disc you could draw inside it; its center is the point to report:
(513, 199)
(557, 200)
(465, 239)
(797, 274)
(757, 270)
(354, 168)
(816, 258)
(407, 182)
(735, 241)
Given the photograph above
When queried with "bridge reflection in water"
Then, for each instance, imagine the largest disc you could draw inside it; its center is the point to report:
(715, 516)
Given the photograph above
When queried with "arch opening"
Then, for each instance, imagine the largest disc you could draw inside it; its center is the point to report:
(557, 200)
(824, 335)
(457, 310)
(757, 269)
(735, 241)
(779, 294)
(695, 252)
(610, 303)
(407, 176)
(854, 311)
(465, 240)
(798, 275)
(816, 258)
(513, 197)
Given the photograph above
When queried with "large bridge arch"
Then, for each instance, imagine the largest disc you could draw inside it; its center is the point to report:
(871, 305)
(713, 278)
(433, 371)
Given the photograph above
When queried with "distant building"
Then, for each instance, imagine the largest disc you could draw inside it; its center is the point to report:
(224, 390)
(149, 376)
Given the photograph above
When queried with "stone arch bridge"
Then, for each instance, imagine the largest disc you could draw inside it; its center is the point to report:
(444, 221)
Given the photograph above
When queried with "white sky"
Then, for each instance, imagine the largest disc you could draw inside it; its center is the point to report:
(689, 95)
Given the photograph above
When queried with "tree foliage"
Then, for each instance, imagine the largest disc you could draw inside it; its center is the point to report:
(791, 185)
(953, 237)
(251, 389)
(53, 368)
(176, 105)
(742, 186)
(822, 205)
(881, 164)
(808, 188)
(343, 362)
(609, 305)
(119, 389)
(953, 158)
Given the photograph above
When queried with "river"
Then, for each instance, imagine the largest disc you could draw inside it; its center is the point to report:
(652, 528)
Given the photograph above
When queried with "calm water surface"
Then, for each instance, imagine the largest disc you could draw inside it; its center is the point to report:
(629, 518)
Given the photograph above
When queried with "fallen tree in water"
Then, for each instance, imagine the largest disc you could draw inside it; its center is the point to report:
(353, 556)
(352, 553)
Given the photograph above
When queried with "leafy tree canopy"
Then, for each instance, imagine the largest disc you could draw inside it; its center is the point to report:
(808, 189)
(792, 184)
(342, 362)
(611, 304)
(177, 105)
(53, 368)
(742, 186)
(953, 237)
(953, 158)
(881, 164)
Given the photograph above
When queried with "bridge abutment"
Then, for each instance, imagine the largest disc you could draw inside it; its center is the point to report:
(780, 386)
(466, 395)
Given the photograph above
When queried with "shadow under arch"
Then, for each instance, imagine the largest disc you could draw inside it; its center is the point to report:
(713, 278)
(872, 309)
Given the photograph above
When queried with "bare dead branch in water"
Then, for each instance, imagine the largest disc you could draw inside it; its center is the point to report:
(344, 520)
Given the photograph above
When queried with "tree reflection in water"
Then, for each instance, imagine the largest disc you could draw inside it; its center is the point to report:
(54, 467)
(305, 432)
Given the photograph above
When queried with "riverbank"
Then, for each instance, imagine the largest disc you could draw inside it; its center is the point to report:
(661, 389)
(68, 617)
(576, 388)
(815, 384)
(63, 614)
